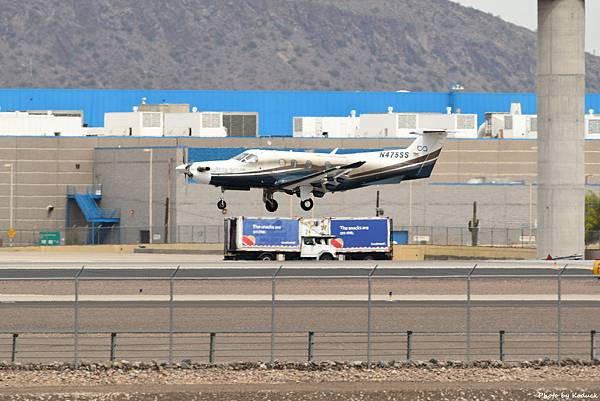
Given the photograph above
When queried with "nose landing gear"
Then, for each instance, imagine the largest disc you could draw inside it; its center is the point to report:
(221, 204)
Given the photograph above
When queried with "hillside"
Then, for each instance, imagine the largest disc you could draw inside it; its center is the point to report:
(264, 44)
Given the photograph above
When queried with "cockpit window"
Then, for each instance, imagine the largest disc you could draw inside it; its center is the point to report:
(246, 157)
(240, 156)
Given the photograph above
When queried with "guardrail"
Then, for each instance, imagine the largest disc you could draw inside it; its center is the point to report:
(282, 298)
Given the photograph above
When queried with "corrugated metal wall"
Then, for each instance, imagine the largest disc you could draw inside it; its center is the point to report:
(276, 108)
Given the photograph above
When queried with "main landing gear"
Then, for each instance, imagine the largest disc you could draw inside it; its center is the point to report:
(307, 204)
(270, 204)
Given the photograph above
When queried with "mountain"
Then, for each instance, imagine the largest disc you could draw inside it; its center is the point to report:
(265, 44)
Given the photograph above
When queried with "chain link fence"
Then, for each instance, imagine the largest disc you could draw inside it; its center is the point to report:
(116, 235)
(365, 314)
(463, 236)
(213, 234)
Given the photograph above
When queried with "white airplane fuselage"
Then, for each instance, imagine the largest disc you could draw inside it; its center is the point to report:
(309, 173)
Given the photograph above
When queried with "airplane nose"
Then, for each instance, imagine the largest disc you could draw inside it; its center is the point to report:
(198, 173)
(183, 168)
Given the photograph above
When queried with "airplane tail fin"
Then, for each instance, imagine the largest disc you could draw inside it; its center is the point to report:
(428, 141)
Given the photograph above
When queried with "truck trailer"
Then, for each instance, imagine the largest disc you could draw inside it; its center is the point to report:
(257, 238)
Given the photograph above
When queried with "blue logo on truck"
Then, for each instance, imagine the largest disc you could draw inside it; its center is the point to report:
(371, 233)
(270, 232)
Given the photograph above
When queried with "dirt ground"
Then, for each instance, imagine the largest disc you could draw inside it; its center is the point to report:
(518, 384)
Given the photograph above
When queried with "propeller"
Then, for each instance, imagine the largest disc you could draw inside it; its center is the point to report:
(185, 168)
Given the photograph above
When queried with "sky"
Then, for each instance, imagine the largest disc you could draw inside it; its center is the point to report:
(523, 13)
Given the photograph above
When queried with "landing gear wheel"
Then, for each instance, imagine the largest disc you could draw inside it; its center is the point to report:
(271, 205)
(307, 204)
(221, 205)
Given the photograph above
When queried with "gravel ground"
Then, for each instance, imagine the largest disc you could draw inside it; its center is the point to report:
(342, 383)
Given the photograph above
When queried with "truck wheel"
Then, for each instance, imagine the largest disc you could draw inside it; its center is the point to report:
(266, 256)
(326, 256)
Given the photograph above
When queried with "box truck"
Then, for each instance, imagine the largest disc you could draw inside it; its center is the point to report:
(257, 238)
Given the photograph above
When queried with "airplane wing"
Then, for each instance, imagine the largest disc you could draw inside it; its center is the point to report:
(317, 177)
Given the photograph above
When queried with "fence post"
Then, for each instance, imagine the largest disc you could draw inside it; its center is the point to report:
(13, 354)
(501, 343)
(211, 349)
(76, 320)
(311, 344)
(273, 289)
(522, 235)
(468, 317)
(113, 346)
(409, 345)
(369, 279)
(171, 317)
(558, 311)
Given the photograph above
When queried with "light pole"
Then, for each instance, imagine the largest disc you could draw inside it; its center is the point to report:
(530, 210)
(12, 200)
(150, 180)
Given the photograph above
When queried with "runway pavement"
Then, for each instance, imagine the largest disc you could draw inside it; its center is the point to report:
(131, 293)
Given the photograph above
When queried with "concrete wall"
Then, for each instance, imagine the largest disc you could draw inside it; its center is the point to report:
(125, 178)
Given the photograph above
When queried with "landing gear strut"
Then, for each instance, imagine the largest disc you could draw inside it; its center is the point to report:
(221, 204)
(307, 204)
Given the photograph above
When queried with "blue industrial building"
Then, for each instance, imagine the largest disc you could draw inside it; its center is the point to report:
(276, 108)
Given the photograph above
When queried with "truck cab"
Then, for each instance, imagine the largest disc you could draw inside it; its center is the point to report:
(317, 247)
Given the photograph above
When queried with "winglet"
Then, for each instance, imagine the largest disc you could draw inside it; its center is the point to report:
(334, 151)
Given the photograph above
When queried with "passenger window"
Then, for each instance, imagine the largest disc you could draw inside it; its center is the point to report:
(308, 164)
(282, 163)
(251, 159)
(294, 163)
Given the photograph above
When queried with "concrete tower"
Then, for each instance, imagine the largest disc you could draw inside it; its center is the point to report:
(561, 108)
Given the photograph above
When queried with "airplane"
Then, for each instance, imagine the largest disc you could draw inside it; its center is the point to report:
(309, 174)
